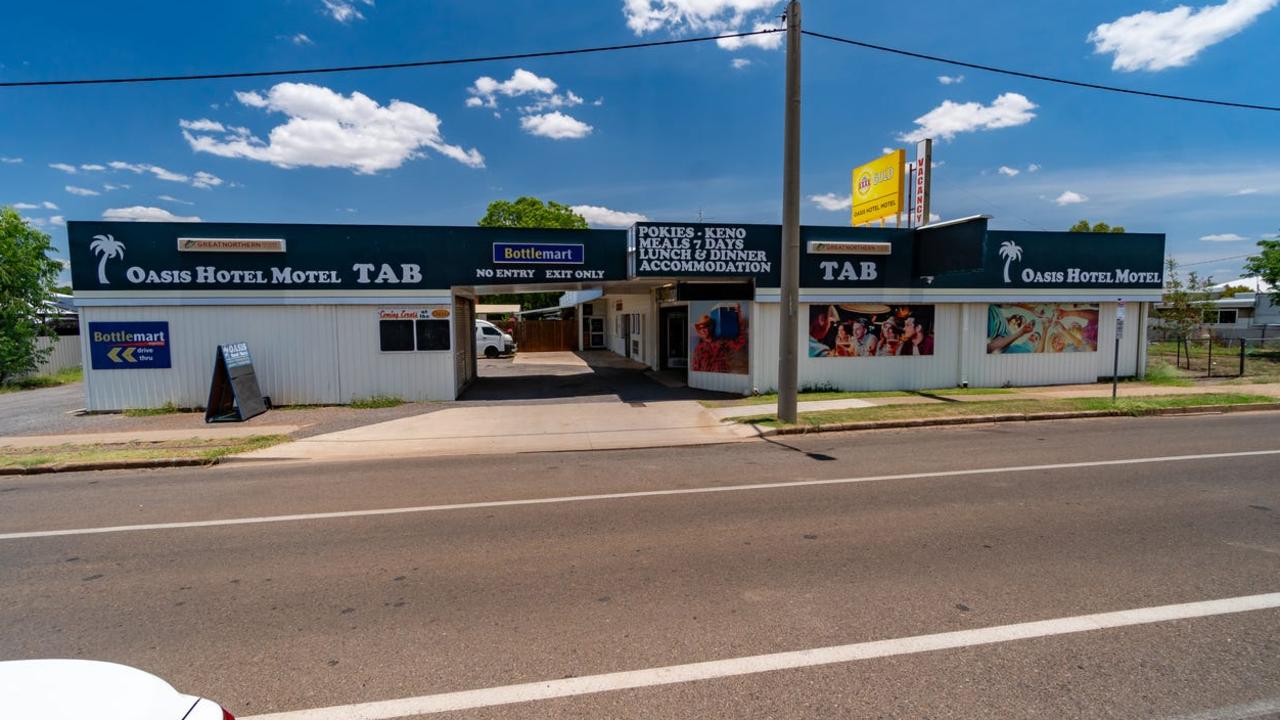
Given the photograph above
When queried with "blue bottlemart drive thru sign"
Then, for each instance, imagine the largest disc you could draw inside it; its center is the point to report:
(129, 345)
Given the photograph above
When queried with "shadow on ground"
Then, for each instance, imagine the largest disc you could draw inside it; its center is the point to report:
(580, 376)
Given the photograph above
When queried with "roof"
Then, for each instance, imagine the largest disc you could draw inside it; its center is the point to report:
(1254, 283)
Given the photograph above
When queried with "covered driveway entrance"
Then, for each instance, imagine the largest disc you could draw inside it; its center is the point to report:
(582, 376)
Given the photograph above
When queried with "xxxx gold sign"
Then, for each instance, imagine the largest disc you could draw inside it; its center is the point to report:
(878, 188)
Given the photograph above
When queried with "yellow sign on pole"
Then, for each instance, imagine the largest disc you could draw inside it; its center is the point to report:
(878, 188)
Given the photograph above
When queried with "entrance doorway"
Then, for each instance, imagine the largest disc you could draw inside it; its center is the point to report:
(673, 339)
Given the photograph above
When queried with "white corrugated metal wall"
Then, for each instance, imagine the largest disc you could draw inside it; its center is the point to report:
(983, 370)
(303, 355)
(292, 366)
(65, 354)
(958, 329)
(364, 370)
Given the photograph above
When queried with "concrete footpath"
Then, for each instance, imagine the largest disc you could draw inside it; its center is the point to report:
(1056, 392)
(504, 429)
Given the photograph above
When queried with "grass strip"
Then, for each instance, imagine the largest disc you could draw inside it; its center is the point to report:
(32, 382)
(1129, 406)
(771, 398)
(204, 450)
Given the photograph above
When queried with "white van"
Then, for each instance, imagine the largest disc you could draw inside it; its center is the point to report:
(492, 342)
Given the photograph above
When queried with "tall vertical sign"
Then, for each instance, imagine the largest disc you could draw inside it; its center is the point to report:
(924, 176)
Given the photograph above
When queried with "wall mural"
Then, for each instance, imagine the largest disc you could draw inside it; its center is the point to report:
(1042, 328)
(718, 340)
(870, 330)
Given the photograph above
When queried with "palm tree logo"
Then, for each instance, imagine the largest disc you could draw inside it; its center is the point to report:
(108, 247)
(1010, 251)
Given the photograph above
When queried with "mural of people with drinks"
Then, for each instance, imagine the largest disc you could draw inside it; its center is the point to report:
(1042, 328)
(870, 330)
(718, 341)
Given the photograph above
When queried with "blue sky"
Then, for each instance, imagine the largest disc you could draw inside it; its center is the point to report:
(663, 133)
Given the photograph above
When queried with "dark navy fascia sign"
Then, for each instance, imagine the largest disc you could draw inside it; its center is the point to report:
(129, 345)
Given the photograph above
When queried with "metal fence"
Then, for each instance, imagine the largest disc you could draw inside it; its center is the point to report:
(1228, 354)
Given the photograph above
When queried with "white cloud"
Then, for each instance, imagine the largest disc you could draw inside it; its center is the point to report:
(69, 169)
(80, 191)
(1008, 171)
(142, 213)
(345, 11)
(301, 39)
(58, 220)
(1069, 197)
(38, 222)
(202, 125)
(485, 91)
(1157, 41)
(91, 167)
(555, 125)
(886, 150)
(168, 175)
(48, 205)
(1246, 191)
(1223, 237)
(831, 201)
(569, 99)
(328, 129)
(950, 79)
(771, 41)
(25, 206)
(109, 187)
(118, 165)
(522, 82)
(1033, 168)
(739, 63)
(604, 217)
(10, 160)
(721, 17)
(950, 119)
(172, 199)
(204, 180)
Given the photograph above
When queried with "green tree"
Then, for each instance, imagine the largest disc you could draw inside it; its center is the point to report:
(1266, 265)
(1181, 310)
(530, 212)
(1101, 227)
(1231, 291)
(27, 280)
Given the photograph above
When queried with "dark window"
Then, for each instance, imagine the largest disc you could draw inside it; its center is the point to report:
(1227, 316)
(489, 330)
(433, 334)
(395, 335)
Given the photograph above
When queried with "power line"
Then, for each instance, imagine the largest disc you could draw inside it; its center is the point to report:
(1043, 78)
(1206, 262)
(382, 66)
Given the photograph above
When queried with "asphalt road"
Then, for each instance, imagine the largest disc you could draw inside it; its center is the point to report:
(318, 612)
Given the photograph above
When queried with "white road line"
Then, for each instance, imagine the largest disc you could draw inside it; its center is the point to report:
(1236, 712)
(489, 697)
(624, 495)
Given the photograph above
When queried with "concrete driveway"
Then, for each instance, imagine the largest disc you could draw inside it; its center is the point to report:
(591, 376)
(538, 402)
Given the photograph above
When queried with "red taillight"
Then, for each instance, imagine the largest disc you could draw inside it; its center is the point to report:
(226, 715)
